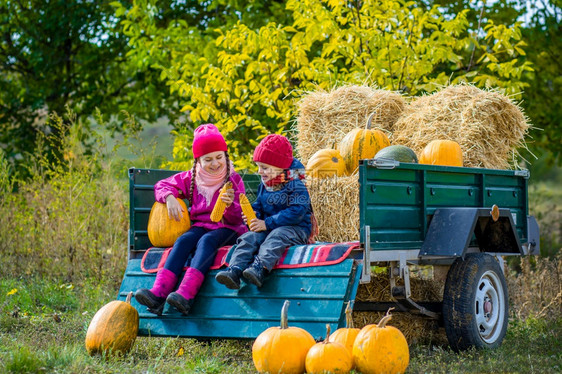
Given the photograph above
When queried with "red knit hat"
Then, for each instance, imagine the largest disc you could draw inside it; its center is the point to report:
(274, 150)
(206, 139)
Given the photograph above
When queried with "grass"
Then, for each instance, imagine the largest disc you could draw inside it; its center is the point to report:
(43, 326)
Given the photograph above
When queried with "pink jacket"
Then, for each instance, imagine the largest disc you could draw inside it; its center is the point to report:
(200, 213)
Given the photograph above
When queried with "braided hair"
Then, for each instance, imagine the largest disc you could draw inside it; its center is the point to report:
(193, 175)
(227, 176)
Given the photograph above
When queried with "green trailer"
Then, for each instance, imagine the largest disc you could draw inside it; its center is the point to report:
(460, 220)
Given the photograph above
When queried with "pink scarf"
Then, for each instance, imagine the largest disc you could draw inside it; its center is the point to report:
(207, 183)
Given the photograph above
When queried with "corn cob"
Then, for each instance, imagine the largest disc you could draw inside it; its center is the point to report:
(220, 206)
(247, 208)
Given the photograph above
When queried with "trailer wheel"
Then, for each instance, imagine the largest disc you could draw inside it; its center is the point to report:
(475, 305)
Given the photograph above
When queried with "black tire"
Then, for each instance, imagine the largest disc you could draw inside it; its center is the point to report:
(475, 303)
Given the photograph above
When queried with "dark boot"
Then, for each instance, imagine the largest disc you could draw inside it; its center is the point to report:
(230, 277)
(155, 298)
(179, 302)
(182, 299)
(256, 273)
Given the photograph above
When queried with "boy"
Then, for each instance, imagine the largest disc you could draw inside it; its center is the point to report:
(283, 214)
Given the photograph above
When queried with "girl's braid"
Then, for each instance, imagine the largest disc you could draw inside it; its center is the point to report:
(227, 177)
(193, 175)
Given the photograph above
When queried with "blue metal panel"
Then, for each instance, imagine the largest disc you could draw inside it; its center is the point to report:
(318, 295)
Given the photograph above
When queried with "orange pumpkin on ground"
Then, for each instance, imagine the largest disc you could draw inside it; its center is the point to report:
(113, 329)
(282, 349)
(442, 152)
(328, 357)
(381, 349)
(164, 230)
(346, 335)
(360, 144)
(326, 163)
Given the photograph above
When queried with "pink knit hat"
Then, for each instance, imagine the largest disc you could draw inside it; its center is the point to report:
(275, 150)
(206, 139)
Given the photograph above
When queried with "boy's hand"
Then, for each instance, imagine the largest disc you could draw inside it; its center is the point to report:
(257, 225)
(175, 210)
(228, 197)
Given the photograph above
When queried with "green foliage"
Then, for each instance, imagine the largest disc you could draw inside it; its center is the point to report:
(545, 204)
(542, 97)
(246, 79)
(69, 220)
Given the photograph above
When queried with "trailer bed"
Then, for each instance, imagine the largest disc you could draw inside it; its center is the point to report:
(318, 294)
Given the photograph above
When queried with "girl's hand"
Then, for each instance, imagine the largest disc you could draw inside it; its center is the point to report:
(228, 197)
(175, 210)
(257, 225)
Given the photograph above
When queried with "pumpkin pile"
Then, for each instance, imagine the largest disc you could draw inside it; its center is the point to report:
(291, 350)
(358, 144)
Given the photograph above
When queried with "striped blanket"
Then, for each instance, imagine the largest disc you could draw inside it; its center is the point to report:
(316, 254)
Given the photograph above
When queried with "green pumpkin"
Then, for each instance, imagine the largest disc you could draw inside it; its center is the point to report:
(399, 153)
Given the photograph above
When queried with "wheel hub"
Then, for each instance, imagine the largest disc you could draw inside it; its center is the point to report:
(488, 306)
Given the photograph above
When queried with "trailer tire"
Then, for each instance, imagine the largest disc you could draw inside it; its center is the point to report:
(475, 303)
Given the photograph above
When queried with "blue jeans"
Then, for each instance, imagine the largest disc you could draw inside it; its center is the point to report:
(200, 243)
(269, 245)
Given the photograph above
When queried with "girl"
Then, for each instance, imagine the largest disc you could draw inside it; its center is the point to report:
(211, 170)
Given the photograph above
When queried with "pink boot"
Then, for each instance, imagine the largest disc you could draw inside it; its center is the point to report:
(155, 297)
(182, 299)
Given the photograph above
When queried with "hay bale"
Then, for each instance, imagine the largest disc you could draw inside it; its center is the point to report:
(488, 126)
(335, 202)
(324, 118)
(416, 328)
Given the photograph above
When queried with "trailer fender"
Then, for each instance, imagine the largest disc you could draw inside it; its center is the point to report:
(452, 229)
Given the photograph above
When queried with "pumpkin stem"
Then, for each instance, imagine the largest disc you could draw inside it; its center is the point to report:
(348, 317)
(129, 297)
(284, 316)
(368, 125)
(328, 329)
(384, 320)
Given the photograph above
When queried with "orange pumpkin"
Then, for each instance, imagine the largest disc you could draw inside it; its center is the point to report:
(113, 329)
(442, 152)
(328, 357)
(282, 349)
(326, 163)
(346, 335)
(381, 349)
(164, 230)
(360, 144)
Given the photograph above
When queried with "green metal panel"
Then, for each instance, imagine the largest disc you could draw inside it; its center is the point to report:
(398, 203)
(141, 190)
(317, 294)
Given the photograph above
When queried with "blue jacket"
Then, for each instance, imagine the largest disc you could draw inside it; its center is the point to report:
(289, 206)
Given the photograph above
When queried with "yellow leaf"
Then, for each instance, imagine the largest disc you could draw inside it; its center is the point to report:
(181, 351)
(13, 291)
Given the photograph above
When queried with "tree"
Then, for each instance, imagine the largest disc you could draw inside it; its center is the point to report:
(540, 31)
(59, 53)
(244, 78)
